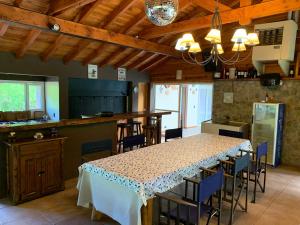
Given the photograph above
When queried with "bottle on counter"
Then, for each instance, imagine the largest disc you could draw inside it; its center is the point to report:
(291, 73)
(267, 97)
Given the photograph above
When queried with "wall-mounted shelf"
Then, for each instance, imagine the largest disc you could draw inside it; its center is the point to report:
(257, 79)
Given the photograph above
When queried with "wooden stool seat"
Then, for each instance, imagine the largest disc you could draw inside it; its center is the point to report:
(150, 132)
(122, 127)
(136, 127)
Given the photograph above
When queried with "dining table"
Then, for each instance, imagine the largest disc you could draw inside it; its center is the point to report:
(123, 186)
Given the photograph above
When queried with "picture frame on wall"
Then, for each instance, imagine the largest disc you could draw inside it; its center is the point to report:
(92, 71)
(122, 74)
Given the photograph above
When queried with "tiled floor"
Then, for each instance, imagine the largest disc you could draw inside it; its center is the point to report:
(280, 205)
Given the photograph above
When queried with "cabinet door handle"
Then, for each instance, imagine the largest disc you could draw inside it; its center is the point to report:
(41, 173)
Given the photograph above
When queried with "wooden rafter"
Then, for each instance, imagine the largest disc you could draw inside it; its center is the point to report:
(31, 37)
(111, 56)
(134, 55)
(51, 49)
(18, 2)
(83, 44)
(3, 28)
(86, 12)
(245, 3)
(210, 5)
(40, 21)
(126, 4)
(121, 8)
(143, 61)
(154, 63)
(126, 29)
(235, 15)
(58, 6)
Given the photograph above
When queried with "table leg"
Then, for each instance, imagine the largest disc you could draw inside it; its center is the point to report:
(158, 125)
(96, 215)
(147, 213)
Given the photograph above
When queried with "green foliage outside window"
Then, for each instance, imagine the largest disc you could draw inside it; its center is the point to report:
(12, 97)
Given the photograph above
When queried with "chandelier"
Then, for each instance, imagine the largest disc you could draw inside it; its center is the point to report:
(189, 47)
(161, 12)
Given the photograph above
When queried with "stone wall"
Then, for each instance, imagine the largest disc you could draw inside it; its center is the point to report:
(247, 92)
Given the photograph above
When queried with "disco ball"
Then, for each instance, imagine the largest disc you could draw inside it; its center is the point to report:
(161, 12)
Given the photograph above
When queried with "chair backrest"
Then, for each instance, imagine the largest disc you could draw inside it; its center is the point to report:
(131, 141)
(241, 163)
(173, 133)
(210, 185)
(230, 133)
(262, 150)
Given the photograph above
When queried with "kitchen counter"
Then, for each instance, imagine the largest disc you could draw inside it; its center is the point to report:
(79, 133)
(32, 125)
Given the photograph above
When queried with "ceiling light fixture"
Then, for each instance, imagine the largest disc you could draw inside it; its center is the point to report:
(189, 47)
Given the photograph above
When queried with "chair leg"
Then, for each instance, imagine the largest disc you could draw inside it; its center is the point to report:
(247, 188)
(232, 201)
(255, 186)
(220, 207)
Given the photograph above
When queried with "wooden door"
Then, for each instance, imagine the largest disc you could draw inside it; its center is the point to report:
(143, 99)
(51, 167)
(30, 177)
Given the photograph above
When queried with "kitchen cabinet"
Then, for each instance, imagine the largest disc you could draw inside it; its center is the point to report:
(34, 168)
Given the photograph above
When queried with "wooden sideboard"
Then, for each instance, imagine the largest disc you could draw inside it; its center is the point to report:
(34, 168)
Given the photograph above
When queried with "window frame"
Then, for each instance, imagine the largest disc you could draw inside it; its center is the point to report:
(26, 92)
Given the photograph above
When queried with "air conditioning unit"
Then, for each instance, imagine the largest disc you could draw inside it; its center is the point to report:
(277, 43)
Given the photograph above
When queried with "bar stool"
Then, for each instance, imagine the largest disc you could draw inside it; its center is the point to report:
(136, 127)
(121, 128)
(150, 132)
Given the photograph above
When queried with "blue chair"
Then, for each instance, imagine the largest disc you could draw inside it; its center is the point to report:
(173, 133)
(230, 133)
(235, 182)
(259, 167)
(188, 211)
(133, 141)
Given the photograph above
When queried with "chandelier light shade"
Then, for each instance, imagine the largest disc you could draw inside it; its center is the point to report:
(214, 36)
(239, 36)
(187, 39)
(220, 49)
(161, 12)
(239, 47)
(252, 39)
(195, 48)
(189, 47)
(180, 46)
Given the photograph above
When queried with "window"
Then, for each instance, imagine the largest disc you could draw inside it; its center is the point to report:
(21, 95)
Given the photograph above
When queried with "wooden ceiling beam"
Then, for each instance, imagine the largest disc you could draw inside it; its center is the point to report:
(154, 63)
(125, 5)
(51, 49)
(40, 21)
(142, 56)
(3, 28)
(57, 6)
(27, 43)
(83, 44)
(143, 61)
(111, 56)
(18, 2)
(86, 12)
(134, 55)
(210, 5)
(137, 21)
(121, 8)
(244, 3)
(235, 15)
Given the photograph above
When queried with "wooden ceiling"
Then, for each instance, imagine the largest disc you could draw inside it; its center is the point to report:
(115, 32)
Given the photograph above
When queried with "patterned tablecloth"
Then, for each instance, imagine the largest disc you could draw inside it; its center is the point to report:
(159, 168)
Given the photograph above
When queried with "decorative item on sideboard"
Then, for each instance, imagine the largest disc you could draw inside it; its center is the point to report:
(11, 137)
(38, 136)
